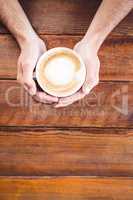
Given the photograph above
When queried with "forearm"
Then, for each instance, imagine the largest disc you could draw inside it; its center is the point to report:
(109, 14)
(13, 16)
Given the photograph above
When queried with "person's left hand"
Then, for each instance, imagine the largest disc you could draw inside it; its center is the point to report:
(92, 64)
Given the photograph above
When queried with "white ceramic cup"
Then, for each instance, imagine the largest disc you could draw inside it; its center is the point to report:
(61, 72)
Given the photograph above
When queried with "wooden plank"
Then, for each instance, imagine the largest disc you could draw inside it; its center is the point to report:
(115, 63)
(67, 17)
(64, 188)
(86, 152)
(110, 104)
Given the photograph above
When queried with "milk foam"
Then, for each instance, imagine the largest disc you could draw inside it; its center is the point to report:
(60, 70)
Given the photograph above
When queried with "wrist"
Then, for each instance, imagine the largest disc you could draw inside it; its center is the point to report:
(27, 38)
(93, 41)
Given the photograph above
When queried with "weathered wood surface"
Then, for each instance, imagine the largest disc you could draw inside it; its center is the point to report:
(64, 188)
(67, 17)
(40, 161)
(116, 56)
(86, 152)
(109, 105)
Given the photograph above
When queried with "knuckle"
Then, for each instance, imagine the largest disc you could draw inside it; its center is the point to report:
(26, 82)
(27, 85)
(86, 90)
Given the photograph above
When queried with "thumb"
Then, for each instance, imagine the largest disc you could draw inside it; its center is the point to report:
(86, 88)
(29, 83)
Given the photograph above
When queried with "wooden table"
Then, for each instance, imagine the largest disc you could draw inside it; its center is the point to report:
(84, 151)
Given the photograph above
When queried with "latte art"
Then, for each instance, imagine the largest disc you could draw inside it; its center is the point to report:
(60, 72)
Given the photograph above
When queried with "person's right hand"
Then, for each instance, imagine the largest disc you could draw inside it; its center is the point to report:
(30, 53)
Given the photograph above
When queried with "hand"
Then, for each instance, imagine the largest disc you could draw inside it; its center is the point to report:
(30, 53)
(92, 64)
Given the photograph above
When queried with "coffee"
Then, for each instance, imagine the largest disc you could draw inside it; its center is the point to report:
(60, 72)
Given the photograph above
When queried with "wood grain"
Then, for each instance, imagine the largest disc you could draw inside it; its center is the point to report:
(110, 104)
(52, 154)
(64, 188)
(115, 63)
(67, 17)
(86, 152)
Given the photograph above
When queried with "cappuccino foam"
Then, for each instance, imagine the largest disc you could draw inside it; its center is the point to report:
(60, 72)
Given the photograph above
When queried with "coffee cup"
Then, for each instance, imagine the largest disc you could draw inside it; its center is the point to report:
(60, 72)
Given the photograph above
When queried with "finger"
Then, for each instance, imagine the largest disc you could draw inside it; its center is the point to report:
(45, 98)
(89, 85)
(90, 82)
(20, 78)
(19, 73)
(69, 100)
(62, 104)
(36, 98)
(27, 78)
(59, 105)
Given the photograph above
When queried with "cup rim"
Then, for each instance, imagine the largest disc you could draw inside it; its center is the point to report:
(52, 51)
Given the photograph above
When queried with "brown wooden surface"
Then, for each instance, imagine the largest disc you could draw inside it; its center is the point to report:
(87, 152)
(67, 17)
(99, 109)
(53, 154)
(115, 63)
(64, 188)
